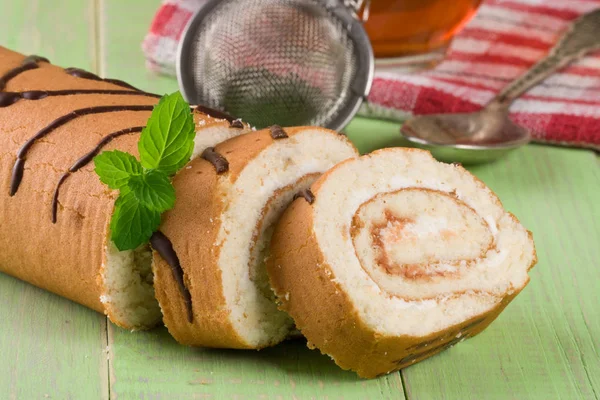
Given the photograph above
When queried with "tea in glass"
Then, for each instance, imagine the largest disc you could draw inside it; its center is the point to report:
(418, 29)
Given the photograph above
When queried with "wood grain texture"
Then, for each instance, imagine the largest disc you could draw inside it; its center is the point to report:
(50, 347)
(62, 31)
(153, 366)
(122, 27)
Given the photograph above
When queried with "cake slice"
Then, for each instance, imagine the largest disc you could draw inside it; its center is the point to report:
(209, 271)
(126, 276)
(393, 257)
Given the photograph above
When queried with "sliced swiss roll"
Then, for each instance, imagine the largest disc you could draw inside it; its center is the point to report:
(54, 211)
(209, 270)
(126, 278)
(393, 257)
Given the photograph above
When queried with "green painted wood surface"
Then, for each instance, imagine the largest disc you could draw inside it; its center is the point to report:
(544, 346)
(63, 31)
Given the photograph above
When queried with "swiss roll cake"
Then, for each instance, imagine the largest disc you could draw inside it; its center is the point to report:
(380, 261)
(54, 211)
(392, 257)
(210, 278)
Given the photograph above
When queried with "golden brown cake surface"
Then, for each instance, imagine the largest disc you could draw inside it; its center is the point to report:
(54, 211)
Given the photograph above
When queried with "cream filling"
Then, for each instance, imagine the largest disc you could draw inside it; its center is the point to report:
(129, 290)
(214, 134)
(480, 287)
(411, 242)
(285, 162)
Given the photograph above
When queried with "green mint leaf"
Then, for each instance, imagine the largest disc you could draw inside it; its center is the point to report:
(132, 224)
(167, 141)
(165, 145)
(153, 190)
(115, 168)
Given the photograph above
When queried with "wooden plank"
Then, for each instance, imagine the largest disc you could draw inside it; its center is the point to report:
(50, 347)
(123, 25)
(152, 365)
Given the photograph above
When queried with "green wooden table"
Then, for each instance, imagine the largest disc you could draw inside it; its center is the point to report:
(546, 345)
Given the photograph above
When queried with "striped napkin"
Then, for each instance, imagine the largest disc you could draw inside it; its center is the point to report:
(504, 39)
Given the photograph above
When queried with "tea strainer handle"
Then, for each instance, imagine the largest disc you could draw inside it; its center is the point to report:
(580, 38)
(356, 5)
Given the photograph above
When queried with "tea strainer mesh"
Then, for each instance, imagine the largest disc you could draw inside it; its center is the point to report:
(286, 62)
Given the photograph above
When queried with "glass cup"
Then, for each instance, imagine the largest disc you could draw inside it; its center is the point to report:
(414, 33)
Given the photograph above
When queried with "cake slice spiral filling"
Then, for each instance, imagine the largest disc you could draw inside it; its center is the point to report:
(221, 228)
(396, 251)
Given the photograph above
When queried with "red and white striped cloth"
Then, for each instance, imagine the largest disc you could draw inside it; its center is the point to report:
(501, 42)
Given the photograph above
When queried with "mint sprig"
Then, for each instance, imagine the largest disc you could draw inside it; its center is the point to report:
(116, 167)
(153, 190)
(168, 153)
(132, 224)
(145, 190)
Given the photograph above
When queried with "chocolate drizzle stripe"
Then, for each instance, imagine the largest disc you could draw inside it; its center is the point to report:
(211, 112)
(17, 172)
(62, 179)
(35, 59)
(237, 124)
(27, 64)
(9, 98)
(164, 247)
(14, 72)
(217, 160)
(83, 74)
(277, 132)
(31, 62)
(306, 194)
(84, 160)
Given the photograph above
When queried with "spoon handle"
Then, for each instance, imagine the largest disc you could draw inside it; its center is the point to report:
(580, 38)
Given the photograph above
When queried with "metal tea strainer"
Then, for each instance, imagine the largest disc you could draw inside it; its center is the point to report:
(285, 62)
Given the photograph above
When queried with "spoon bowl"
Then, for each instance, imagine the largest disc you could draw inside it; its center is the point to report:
(471, 138)
(489, 134)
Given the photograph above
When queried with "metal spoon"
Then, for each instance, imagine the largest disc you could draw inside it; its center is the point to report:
(489, 134)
